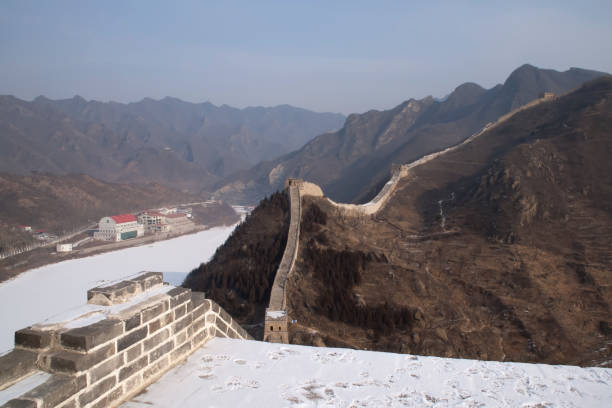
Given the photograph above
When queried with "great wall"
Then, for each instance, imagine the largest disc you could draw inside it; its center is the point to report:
(277, 320)
(105, 352)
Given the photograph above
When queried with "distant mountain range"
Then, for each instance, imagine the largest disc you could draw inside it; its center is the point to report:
(185, 145)
(351, 164)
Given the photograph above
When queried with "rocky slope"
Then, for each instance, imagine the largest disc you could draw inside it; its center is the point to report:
(241, 273)
(500, 249)
(185, 145)
(352, 163)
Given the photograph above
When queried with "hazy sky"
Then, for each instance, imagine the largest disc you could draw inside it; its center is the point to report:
(341, 56)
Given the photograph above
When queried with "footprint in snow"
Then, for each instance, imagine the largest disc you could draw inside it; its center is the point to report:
(240, 361)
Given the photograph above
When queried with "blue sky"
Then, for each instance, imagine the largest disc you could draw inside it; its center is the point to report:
(340, 56)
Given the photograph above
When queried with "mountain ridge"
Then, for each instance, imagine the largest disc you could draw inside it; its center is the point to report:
(353, 162)
(195, 144)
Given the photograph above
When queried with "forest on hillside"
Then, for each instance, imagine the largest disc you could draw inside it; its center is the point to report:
(240, 274)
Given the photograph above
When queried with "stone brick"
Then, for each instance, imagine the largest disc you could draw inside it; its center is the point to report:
(133, 368)
(181, 351)
(155, 325)
(113, 294)
(210, 318)
(203, 308)
(108, 399)
(199, 338)
(161, 350)
(153, 311)
(225, 316)
(133, 353)
(180, 311)
(221, 326)
(106, 368)
(198, 324)
(54, 391)
(198, 298)
(97, 390)
(155, 368)
(178, 296)
(215, 307)
(131, 338)
(132, 322)
(212, 331)
(71, 362)
(88, 337)
(69, 404)
(181, 324)
(20, 403)
(232, 334)
(16, 364)
(156, 340)
(149, 280)
(133, 383)
(182, 336)
(31, 338)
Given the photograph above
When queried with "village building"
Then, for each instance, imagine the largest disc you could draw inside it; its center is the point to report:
(63, 247)
(153, 221)
(119, 228)
(178, 222)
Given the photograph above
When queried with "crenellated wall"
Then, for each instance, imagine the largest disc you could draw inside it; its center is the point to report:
(126, 336)
(276, 319)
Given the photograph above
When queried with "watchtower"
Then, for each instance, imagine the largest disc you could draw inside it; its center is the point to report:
(276, 326)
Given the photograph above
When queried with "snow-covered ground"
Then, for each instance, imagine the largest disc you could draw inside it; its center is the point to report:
(238, 373)
(52, 289)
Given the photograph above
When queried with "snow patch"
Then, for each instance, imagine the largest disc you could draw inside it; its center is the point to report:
(235, 373)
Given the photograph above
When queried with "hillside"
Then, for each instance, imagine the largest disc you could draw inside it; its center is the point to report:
(61, 203)
(496, 250)
(240, 275)
(169, 141)
(500, 248)
(352, 163)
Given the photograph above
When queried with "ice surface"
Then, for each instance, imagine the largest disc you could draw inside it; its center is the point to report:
(39, 293)
(239, 373)
(23, 386)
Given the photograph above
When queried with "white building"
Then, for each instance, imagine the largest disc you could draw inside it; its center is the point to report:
(178, 222)
(119, 228)
(63, 247)
(153, 221)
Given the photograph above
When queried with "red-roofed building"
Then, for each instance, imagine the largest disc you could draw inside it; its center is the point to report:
(119, 228)
(123, 218)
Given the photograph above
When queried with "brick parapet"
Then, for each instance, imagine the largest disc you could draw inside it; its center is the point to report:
(109, 361)
(278, 297)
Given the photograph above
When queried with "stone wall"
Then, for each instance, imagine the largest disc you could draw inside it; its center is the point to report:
(278, 300)
(102, 354)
